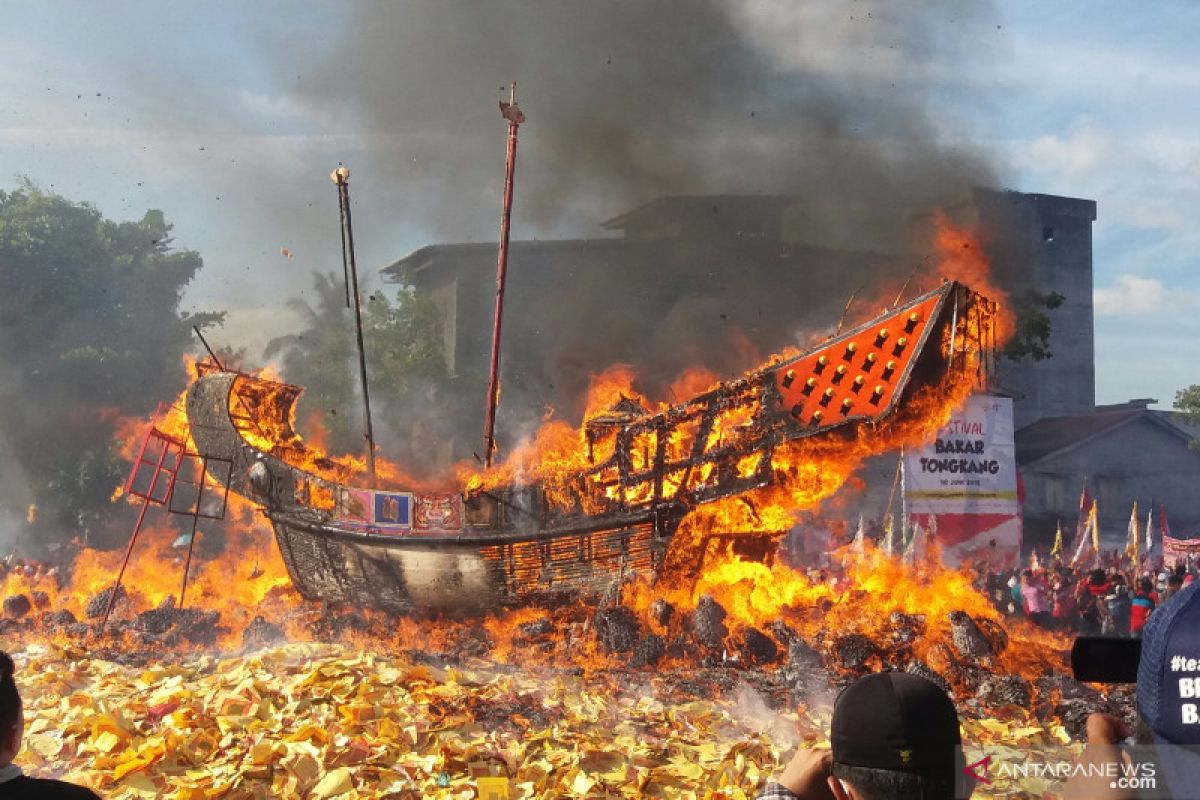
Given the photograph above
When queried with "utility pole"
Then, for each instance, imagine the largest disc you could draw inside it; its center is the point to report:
(513, 114)
(341, 177)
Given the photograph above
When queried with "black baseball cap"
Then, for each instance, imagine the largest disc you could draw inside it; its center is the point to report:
(1168, 688)
(897, 722)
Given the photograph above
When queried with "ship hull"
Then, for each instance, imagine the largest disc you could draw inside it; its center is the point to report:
(576, 534)
(457, 573)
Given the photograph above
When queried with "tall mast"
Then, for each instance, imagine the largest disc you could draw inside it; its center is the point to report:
(341, 177)
(513, 114)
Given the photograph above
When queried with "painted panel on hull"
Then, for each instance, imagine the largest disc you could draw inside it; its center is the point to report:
(399, 513)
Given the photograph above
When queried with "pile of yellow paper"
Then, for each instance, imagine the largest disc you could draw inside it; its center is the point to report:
(327, 721)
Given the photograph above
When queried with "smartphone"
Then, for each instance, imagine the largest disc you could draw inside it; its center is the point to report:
(1104, 659)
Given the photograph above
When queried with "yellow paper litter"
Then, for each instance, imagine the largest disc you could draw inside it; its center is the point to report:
(321, 722)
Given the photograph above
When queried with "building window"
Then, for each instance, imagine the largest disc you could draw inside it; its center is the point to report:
(1047, 234)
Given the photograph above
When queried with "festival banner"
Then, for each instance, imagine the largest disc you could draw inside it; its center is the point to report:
(962, 486)
(1176, 551)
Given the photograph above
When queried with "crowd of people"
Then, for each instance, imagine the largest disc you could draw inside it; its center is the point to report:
(1108, 601)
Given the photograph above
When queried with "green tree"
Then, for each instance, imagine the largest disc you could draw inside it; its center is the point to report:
(1187, 401)
(90, 330)
(319, 358)
(1031, 337)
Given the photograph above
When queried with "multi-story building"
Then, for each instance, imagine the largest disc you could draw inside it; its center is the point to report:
(721, 281)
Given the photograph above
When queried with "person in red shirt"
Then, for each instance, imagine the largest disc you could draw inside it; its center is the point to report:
(1064, 605)
(1143, 605)
(1090, 601)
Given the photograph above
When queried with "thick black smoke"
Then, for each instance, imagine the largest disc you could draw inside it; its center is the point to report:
(840, 106)
(629, 101)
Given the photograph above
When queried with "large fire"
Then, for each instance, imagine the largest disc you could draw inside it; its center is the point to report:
(881, 608)
(246, 578)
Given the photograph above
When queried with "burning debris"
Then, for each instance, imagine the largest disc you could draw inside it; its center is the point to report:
(566, 698)
(591, 506)
(635, 551)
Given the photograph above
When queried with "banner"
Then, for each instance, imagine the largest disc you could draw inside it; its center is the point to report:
(1176, 551)
(963, 485)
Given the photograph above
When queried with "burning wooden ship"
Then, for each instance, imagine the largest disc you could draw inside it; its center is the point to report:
(575, 533)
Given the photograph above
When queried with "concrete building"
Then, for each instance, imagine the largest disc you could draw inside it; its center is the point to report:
(711, 282)
(721, 281)
(1126, 452)
(1039, 244)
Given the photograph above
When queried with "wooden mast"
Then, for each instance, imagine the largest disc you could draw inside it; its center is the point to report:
(513, 114)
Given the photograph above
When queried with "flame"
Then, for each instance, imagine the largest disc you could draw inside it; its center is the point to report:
(870, 587)
(960, 257)
(707, 556)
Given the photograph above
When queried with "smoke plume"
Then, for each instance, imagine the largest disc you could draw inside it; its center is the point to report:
(629, 101)
(840, 107)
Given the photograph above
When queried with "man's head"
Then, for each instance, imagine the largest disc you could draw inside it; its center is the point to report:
(11, 721)
(896, 736)
(1168, 686)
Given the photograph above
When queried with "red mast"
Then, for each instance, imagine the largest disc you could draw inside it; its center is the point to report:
(513, 114)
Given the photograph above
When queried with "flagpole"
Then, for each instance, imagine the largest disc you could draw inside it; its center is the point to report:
(903, 499)
(341, 177)
(515, 117)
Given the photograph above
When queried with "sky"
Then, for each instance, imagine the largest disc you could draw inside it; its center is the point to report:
(229, 117)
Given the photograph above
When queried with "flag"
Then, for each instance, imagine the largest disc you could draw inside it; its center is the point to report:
(860, 536)
(1133, 541)
(1091, 535)
(1094, 526)
(1081, 519)
(889, 538)
(1083, 540)
(1034, 564)
(1150, 529)
(1056, 551)
(914, 551)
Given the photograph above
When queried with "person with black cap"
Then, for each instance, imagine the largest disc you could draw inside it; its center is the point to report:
(893, 736)
(13, 784)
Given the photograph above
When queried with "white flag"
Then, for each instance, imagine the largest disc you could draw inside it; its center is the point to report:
(1133, 542)
(889, 535)
(859, 546)
(1150, 530)
(914, 551)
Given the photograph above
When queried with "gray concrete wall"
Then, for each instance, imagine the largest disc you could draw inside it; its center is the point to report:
(1140, 461)
(1044, 243)
(664, 304)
